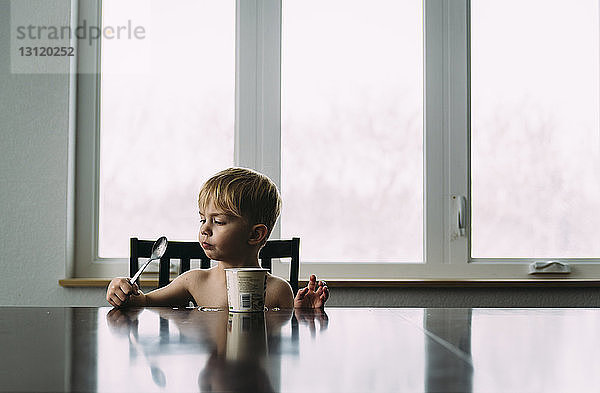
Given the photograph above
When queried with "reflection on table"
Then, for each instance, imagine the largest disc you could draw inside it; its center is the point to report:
(349, 350)
(215, 350)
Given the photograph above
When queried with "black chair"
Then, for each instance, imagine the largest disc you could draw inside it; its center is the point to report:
(185, 251)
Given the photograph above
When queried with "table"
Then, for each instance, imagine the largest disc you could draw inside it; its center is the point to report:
(338, 350)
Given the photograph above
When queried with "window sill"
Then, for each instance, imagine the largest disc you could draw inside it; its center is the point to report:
(403, 283)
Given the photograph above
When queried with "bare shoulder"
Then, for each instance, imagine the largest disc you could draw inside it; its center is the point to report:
(194, 277)
(197, 273)
(277, 282)
(279, 293)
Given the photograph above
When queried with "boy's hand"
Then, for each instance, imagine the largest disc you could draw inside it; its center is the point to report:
(313, 295)
(119, 291)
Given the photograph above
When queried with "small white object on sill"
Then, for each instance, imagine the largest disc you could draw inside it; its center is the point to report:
(549, 267)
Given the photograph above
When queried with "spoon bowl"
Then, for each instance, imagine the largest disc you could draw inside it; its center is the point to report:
(158, 250)
(159, 247)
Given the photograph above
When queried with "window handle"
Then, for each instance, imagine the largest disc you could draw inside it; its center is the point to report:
(460, 209)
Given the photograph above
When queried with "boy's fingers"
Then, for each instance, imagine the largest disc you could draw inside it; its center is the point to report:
(325, 294)
(115, 302)
(312, 282)
(120, 295)
(301, 293)
(126, 287)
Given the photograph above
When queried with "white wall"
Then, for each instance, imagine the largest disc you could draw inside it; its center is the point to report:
(34, 117)
(34, 143)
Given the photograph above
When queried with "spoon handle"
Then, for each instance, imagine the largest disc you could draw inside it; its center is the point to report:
(133, 279)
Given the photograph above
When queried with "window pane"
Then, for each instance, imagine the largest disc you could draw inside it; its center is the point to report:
(166, 116)
(352, 129)
(535, 137)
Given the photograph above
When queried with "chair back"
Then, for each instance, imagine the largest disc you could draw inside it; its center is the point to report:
(282, 249)
(185, 251)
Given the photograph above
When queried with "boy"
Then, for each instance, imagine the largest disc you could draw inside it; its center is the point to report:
(238, 209)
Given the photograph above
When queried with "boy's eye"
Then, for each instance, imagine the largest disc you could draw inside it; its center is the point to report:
(214, 221)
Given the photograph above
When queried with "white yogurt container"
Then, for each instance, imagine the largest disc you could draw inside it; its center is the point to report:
(246, 289)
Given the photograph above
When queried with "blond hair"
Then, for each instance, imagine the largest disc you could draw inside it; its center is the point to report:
(243, 193)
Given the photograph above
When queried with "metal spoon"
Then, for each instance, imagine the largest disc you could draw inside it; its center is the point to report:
(158, 250)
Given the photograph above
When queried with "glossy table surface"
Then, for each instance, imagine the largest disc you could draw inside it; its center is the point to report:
(338, 350)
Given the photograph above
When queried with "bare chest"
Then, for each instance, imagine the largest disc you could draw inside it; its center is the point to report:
(211, 291)
(210, 295)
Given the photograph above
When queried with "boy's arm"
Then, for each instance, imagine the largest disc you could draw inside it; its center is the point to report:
(121, 293)
(174, 294)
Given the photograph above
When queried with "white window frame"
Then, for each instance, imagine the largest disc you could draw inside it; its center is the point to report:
(258, 139)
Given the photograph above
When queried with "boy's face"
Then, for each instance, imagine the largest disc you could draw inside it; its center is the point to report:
(223, 237)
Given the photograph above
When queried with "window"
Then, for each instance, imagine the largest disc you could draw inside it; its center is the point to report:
(534, 129)
(158, 111)
(352, 129)
(159, 100)
(321, 111)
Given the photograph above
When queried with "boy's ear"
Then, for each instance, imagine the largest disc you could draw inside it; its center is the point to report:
(258, 234)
